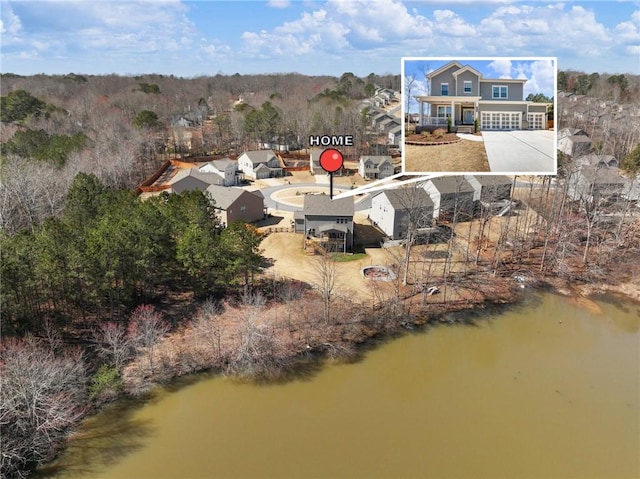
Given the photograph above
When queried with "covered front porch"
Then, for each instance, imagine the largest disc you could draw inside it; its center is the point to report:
(435, 110)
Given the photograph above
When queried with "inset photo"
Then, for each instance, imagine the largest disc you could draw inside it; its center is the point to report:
(479, 115)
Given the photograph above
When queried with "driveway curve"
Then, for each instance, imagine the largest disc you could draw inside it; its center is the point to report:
(274, 198)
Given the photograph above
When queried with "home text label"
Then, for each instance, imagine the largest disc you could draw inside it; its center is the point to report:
(331, 140)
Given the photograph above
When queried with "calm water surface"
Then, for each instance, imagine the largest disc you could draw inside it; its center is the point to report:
(544, 390)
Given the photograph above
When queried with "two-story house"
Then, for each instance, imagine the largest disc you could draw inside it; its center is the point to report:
(452, 197)
(226, 168)
(393, 210)
(259, 164)
(375, 167)
(464, 94)
(327, 221)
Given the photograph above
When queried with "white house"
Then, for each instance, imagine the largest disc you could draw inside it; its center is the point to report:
(375, 167)
(393, 209)
(573, 142)
(394, 135)
(259, 164)
(226, 168)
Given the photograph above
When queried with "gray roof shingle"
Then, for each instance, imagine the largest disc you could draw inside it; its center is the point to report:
(324, 206)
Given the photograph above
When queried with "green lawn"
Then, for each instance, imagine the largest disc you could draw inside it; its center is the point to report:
(343, 258)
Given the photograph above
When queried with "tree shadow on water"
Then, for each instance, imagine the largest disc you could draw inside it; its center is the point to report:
(101, 442)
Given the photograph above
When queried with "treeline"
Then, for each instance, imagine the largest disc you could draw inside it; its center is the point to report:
(118, 127)
(618, 87)
(108, 252)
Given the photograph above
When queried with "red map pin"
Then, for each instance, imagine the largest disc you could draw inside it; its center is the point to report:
(331, 160)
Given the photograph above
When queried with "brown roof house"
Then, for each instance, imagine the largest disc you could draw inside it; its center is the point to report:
(328, 222)
(234, 204)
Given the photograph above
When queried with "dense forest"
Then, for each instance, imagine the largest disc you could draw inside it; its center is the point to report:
(86, 267)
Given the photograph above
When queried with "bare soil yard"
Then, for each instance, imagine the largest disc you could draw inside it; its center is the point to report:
(463, 156)
(289, 260)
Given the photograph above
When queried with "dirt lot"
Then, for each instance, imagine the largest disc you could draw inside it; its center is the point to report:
(464, 156)
(285, 250)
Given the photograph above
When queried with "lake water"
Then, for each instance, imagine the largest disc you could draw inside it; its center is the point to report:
(541, 390)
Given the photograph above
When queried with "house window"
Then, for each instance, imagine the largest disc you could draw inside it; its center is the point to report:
(444, 89)
(444, 111)
(243, 209)
(467, 86)
(500, 92)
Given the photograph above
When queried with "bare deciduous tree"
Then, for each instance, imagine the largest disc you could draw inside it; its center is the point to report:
(41, 397)
(326, 276)
(113, 342)
(145, 330)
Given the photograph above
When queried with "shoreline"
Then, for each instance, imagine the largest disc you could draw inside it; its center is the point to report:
(510, 294)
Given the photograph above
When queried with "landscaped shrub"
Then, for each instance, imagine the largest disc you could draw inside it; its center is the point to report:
(476, 125)
(439, 133)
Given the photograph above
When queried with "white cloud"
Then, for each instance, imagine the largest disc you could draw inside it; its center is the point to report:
(502, 67)
(354, 35)
(450, 23)
(312, 32)
(541, 78)
(629, 32)
(9, 22)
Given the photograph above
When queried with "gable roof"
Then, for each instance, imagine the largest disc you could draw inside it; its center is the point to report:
(451, 184)
(407, 198)
(208, 178)
(260, 156)
(603, 176)
(219, 165)
(225, 196)
(492, 180)
(324, 206)
(376, 160)
(443, 68)
(467, 68)
(579, 139)
(594, 159)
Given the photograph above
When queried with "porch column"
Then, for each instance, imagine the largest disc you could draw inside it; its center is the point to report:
(421, 113)
(476, 107)
(453, 113)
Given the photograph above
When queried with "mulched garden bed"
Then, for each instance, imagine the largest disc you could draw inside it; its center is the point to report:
(428, 140)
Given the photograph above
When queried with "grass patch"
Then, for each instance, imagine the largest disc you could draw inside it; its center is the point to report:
(343, 258)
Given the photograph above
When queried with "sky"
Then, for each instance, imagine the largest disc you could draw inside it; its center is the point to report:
(194, 38)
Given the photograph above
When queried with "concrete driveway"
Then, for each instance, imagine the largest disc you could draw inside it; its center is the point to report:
(520, 151)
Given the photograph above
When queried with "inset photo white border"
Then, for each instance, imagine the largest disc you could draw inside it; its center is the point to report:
(499, 104)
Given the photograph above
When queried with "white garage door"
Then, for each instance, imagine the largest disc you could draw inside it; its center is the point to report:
(495, 120)
(536, 121)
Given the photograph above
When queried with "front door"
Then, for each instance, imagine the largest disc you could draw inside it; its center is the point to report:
(467, 116)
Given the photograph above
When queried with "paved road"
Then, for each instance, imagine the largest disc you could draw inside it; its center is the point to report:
(271, 204)
(520, 151)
